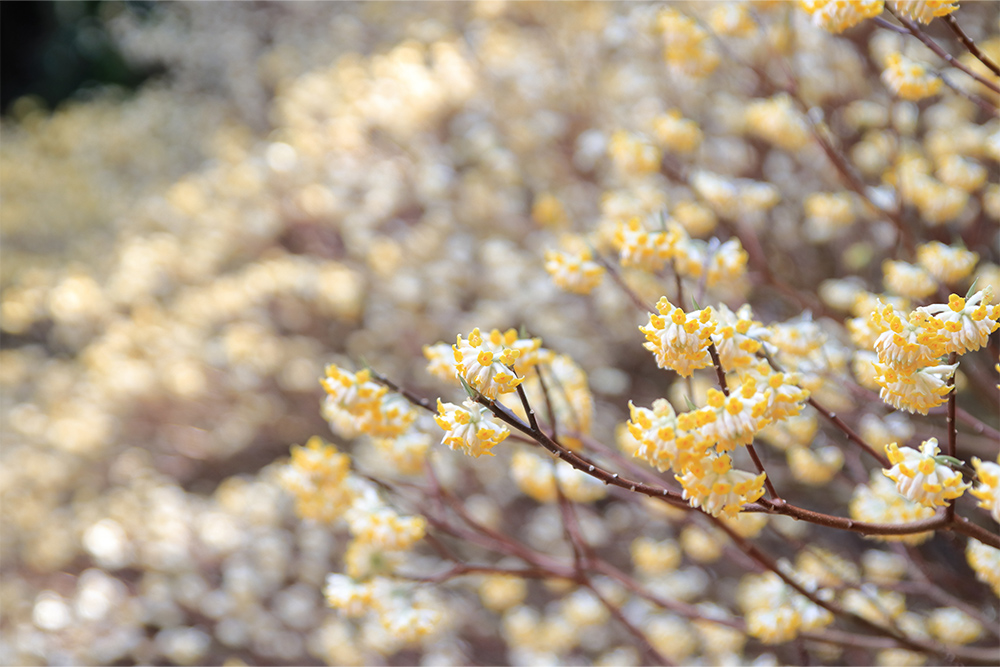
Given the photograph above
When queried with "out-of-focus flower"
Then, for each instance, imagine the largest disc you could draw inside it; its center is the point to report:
(909, 79)
(880, 502)
(908, 280)
(947, 264)
(676, 133)
(985, 560)
(836, 16)
(574, 272)
(988, 488)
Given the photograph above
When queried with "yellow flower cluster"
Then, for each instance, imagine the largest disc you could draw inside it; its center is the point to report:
(633, 154)
(828, 215)
(923, 11)
(638, 247)
(407, 613)
(908, 370)
(574, 272)
(676, 133)
(679, 340)
(469, 428)
(317, 477)
(909, 79)
(836, 16)
(777, 121)
(921, 478)
(774, 612)
(712, 484)
(487, 364)
(543, 480)
(687, 46)
(355, 404)
(985, 560)
(988, 488)
(880, 502)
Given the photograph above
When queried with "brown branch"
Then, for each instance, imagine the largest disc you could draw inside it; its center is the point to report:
(969, 44)
(941, 53)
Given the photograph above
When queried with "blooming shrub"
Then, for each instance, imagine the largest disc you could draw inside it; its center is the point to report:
(644, 334)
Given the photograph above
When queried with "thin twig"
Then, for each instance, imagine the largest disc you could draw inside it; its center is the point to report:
(940, 52)
(969, 44)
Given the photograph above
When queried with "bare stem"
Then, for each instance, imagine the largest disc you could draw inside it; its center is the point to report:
(969, 44)
(941, 53)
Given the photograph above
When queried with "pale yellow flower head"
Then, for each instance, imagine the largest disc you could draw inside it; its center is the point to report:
(921, 478)
(836, 16)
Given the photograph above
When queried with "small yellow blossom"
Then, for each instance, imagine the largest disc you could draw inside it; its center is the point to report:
(485, 362)
(965, 325)
(548, 211)
(916, 391)
(920, 477)
(907, 345)
(500, 592)
(441, 361)
(633, 154)
(352, 598)
(695, 218)
(406, 452)
(985, 560)
(777, 121)
(877, 606)
(988, 488)
(665, 440)
(353, 392)
(953, 626)
(679, 340)
(655, 557)
(384, 528)
(923, 11)
(574, 272)
(737, 336)
(947, 264)
(828, 214)
(908, 280)
(774, 626)
(701, 545)
(713, 485)
(730, 421)
(961, 172)
(535, 476)
(883, 567)
(687, 46)
(836, 16)
(318, 477)
(815, 467)
(879, 502)
(391, 416)
(641, 248)
(717, 191)
(578, 486)
(909, 79)
(727, 264)
(732, 19)
(470, 429)
(676, 133)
